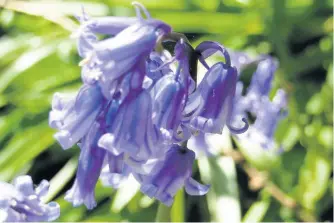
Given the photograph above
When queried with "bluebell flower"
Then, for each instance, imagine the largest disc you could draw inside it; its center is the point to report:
(211, 104)
(134, 107)
(239, 60)
(256, 101)
(92, 157)
(169, 96)
(214, 96)
(114, 57)
(241, 105)
(132, 131)
(168, 103)
(267, 118)
(73, 116)
(110, 25)
(199, 144)
(21, 202)
(89, 168)
(115, 171)
(155, 61)
(261, 82)
(171, 174)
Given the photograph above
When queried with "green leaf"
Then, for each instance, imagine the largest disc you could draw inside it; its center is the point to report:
(256, 212)
(313, 179)
(58, 182)
(329, 78)
(208, 5)
(124, 195)
(219, 22)
(9, 123)
(163, 213)
(23, 148)
(24, 62)
(325, 137)
(315, 105)
(223, 197)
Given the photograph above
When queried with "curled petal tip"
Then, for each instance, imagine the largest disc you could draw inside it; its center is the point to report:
(140, 7)
(243, 129)
(195, 188)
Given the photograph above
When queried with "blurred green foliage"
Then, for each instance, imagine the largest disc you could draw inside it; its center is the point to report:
(38, 59)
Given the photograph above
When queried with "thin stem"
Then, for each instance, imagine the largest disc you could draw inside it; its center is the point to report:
(163, 214)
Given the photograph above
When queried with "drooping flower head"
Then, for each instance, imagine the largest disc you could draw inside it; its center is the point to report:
(212, 102)
(112, 58)
(89, 168)
(138, 104)
(261, 82)
(21, 202)
(72, 115)
(171, 174)
(267, 119)
(256, 102)
(170, 94)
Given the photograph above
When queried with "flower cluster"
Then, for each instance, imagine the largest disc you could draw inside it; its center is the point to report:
(257, 103)
(21, 202)
(138, 106)
(254, 104)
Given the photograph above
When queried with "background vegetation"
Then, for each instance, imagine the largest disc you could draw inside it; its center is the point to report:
(38, 58)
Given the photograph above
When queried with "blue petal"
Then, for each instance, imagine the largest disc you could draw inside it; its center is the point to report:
(89, 168)
(22, 202)
(196, 189)
(74, 119)
(215, 95)
(110, 25)
(169, 175)
(132, 130)
(168, 103)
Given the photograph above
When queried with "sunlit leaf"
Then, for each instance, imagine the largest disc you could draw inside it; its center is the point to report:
(313, 178)
(256, 212)
(223, 197)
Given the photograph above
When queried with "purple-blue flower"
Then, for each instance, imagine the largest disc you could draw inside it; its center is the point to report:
(168, 103)
(256, 101)
(267, 118)
(261, 82)
(72, 116)
(171, 174)
(155, 61)
(110, 59)
(21, 202)
(170, 94)
(89, 168)
(139, 104)
(211, 104)
(114, 171)
(215, 100)
(132, 130)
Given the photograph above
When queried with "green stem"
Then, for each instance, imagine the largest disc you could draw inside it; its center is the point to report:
(177, 211)
(163, 214)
